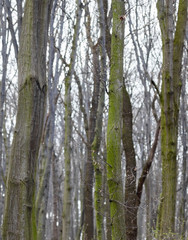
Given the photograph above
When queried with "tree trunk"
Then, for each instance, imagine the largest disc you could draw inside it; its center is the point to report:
(98, 166)
(42, 194)
(2, 103)
(133, 194)
(89, 170)
(183, 203)
(131, 200)
(114, 174)
(19, 214)
(170, 97)
(68, 133)
(90, 125)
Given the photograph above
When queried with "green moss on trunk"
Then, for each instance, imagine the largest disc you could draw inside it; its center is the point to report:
(19, 214)
(114, 128)
(170, 97)
(98, 201)
(22, 169)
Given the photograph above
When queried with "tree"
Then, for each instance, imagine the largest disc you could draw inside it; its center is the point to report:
(91, 118)
(173, 42)
(5, 55)
(98, 166)
(19, 214)
(131, 199)
(94, 168)
(133, 193)
(68, 130)
(114, 174)
(183, 202)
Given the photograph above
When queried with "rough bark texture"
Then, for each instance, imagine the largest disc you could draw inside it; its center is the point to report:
(19, 205)
(114, 176)
(19, 214)
(67, 201)
(98, 166)
(133, 193)
(89, 170)
(55, 231)
(170, 97)
(131, 200)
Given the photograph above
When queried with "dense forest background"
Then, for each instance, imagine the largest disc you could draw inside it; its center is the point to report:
(93, 119)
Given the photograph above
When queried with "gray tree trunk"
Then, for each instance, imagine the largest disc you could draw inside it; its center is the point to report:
(67, 195)
(19, 215)
(4, 56)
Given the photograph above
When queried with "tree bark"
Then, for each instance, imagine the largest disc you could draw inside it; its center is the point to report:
(170, 97)
(5, 57)
(98, 166)
(133, 193)
(131, 199)
(89, 170)
(19, 215)
(183, 218)
(114, 128)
